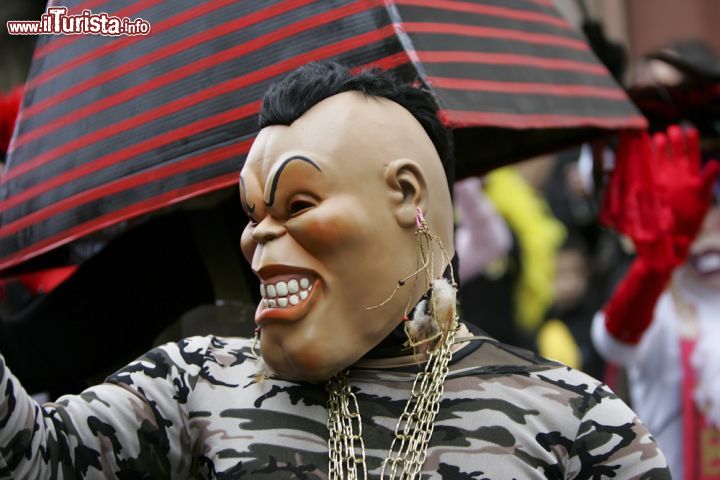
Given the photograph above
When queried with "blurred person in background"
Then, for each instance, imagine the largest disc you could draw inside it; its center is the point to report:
(588, 263)
(565, 334)
(481, 236)
(509, 298)
(528, 276)
(673, 366)
(663, 321)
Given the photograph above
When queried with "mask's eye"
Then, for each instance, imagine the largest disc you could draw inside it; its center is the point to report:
(298, 206)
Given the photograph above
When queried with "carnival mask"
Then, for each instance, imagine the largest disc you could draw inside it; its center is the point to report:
(332, 200)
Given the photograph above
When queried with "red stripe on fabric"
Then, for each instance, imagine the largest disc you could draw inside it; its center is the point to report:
(200, 125)
(167, 51)
(89, 5)
(544, 63)
(517, 121)
(544, 3)
(206, 158)
(490, 32)
(183, 71)
(120, 155)
(385, 63)
(149, 176)
(123, 42)
(557, 90)
(163, 200)
(141, 178)
(489, 10)
(190, 100)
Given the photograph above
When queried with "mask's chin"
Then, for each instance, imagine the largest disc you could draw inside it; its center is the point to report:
(309, 359)
(325, 342)
(307, 365)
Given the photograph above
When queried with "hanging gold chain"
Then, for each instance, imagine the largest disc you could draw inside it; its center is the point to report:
(345, 426)
(412, 433)
(415, 426)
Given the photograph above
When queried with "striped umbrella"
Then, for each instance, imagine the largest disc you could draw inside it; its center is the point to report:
(115, 127)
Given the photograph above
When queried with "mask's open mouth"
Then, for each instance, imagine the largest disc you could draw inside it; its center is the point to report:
(706, 262)
(283, 294)
(286, 297)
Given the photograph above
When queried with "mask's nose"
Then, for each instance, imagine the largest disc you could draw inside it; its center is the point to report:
(268, 229)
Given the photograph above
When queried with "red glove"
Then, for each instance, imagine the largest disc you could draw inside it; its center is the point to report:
(662, 225)
(631, 308)
(687, 186)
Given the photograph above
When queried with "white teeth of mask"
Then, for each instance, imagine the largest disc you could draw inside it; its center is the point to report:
(283, 294)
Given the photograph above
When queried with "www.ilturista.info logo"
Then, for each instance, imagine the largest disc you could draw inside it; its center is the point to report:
(56, 21)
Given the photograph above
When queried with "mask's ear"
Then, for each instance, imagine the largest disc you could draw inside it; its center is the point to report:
(408, 190)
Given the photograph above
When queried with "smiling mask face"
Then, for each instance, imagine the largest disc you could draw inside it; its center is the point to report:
(332, 202)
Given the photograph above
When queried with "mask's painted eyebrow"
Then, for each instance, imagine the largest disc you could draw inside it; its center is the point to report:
(243, 197)
(279, 170)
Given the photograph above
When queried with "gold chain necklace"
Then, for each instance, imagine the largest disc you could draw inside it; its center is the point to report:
(413, 430)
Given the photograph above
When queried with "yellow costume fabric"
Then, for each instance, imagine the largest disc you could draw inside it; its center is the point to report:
(539, 235)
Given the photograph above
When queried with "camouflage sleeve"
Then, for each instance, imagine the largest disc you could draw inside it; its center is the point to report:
(134, 426)
(612, 442)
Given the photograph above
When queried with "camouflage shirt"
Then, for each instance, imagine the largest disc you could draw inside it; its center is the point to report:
(197, 409)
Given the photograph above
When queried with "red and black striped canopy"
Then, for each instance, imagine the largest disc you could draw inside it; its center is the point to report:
(115, 127)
